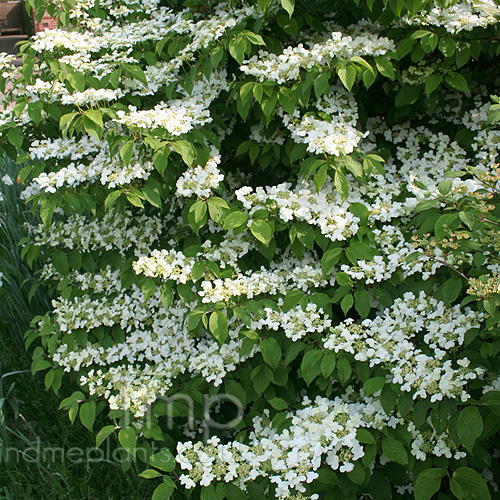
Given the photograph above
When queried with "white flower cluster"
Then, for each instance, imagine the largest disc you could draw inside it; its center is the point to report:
(455, 18)
(103, 167)
(286, 66)
(295, 323)
(115, 231)
(387, 340)
(152, 348)
(431, 443)
(324, 209)
(174, 265)
(321, 136)
(91, 97)
(284, 276)
(323, 432)
(67, 147)
(199, 180)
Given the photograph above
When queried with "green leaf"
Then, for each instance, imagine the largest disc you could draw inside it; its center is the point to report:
(362, 303)
(404, 47)
(432, 83)
(47, 207)
(372, 385)
(152, 194)
(346, 303)
(394, 451)
(457, 81)
(209, 493)
(289, 6)
(253, 37)
(60, 262)
(492, 400)
(150, 474)
(329, 259)
(385, 67)
(344, 370)
(293, 351)
(428, 483)
(447, 46)
(103, 434)
(135, 200)
(322, 84)
(444, 187)
(305, 234)
(320, 177)
(328, 363)
(164, 490)
(111, 199)
(186, 150)
(271, 352)
(91, 127)
(126, 152)
(347, 75)
(128, 438)
(292, 298)
(470, 426)
(341, 184)
(15, 137)
(235, 219)
(408, 94)
(136, 72)
(87, 414)
(95, 116)
(218, 326)
(35, 111)
(262, 231)
(450, 290)
(472, 484)
(278, 404)
(311, 365)
(365, 436)
(164, 460)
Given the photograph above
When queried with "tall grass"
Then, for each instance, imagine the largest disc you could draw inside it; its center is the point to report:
(16, 305)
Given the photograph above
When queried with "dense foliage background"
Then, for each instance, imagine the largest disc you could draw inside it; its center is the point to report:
(269, 231)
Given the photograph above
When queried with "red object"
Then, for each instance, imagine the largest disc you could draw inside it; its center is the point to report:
(47, 23)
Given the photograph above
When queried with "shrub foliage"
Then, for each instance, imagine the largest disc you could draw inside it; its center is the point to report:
(271, 228)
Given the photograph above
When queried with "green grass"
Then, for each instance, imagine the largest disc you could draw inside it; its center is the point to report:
(44, 448)
(16, 305)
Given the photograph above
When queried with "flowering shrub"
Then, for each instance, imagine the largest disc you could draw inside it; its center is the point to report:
(286, 209)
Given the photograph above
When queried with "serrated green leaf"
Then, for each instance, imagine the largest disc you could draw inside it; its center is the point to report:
(328, 363)
(394, 451)
(87, 414)
(329, 259)
(472, 484)
(262, 231)
(428, 483)
(311, 365)
(234, 220)
(218, 326)
(470, 426)
(150, 474)
(186, 150)
(372, 385)
(289, 6)
(457, 81)
(103, 434)
(271, 352)
(164, 490)
(164, 460)
(128, 438)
